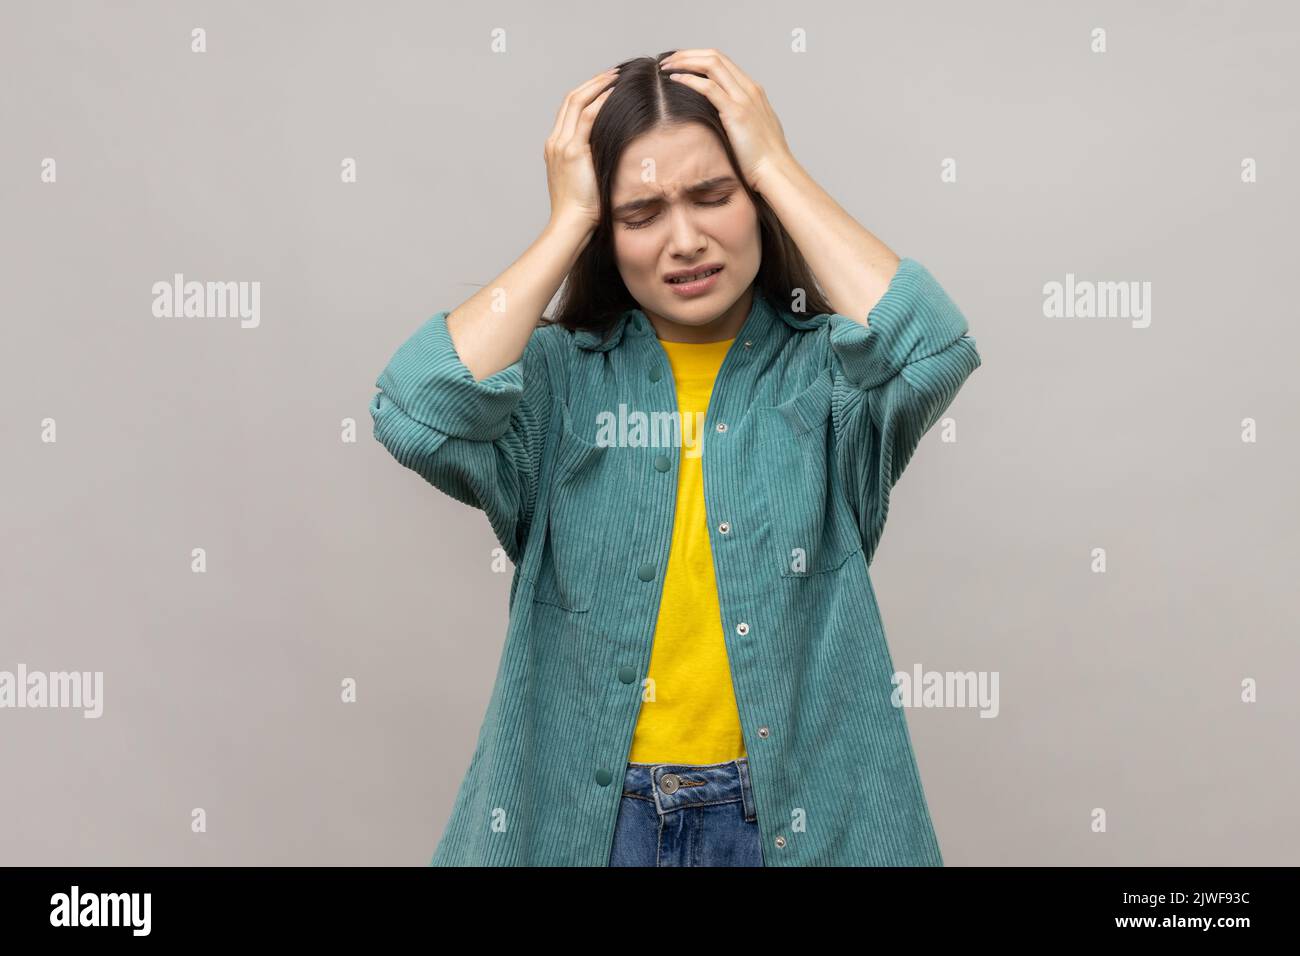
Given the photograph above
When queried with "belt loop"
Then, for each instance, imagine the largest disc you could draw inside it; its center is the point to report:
(746, 792)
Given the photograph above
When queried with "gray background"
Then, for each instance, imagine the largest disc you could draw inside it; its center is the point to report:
(329, 560)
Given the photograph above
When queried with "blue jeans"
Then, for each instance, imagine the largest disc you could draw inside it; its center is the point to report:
(674, 814)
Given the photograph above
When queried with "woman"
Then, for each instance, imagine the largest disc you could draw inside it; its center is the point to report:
(695, 671)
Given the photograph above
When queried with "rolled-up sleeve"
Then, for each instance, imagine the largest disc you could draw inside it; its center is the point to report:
(893, 378)
(479, 441)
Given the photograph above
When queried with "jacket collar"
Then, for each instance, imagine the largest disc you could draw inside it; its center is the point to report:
(762, 313)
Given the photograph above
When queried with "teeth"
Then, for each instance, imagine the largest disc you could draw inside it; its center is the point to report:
(693, 278)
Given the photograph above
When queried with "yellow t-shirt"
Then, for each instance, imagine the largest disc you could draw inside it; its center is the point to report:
(692, 717)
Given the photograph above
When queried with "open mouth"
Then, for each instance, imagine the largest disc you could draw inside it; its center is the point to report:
(682, 280)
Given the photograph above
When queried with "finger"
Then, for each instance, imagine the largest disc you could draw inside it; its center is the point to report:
(694, 51)
(700, 84)
(707, 62)
(715, 71)
(576, 101)
(742, 78)
(580, 108)
(588, 116)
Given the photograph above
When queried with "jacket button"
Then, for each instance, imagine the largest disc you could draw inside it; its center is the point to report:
(603, 777)
(646, 572)
(656, 374)
(742, 628)
(724, 527)
(763, 732)
(662, 463)
(780, 842)
(722, 426)
(627, 673)
(748, 343)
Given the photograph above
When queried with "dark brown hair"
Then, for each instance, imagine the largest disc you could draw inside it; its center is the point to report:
(594, 294)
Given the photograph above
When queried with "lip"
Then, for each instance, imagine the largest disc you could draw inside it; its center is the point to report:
(702, 267)
(697, 287)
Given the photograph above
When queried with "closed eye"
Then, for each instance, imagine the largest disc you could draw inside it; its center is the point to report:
(642, 223)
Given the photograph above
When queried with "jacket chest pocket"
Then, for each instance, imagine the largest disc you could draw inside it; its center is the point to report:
(576, 538)
(812, 530)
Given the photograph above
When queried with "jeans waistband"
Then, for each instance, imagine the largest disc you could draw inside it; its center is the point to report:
(673, 786)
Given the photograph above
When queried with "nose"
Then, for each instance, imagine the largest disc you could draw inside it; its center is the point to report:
(685, 240)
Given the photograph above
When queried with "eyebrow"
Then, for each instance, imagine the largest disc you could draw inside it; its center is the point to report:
(707, 185)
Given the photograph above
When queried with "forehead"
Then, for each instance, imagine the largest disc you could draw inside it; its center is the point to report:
(666, 159)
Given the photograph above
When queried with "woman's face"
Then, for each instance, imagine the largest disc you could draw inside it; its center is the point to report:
(664, 224)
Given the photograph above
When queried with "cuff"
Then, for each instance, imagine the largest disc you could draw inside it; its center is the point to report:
(427, 380)
(913, 320)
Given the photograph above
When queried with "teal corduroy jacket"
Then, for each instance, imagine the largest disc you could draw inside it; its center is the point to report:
(809, 426)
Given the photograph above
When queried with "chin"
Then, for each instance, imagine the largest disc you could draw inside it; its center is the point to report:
(693, 313)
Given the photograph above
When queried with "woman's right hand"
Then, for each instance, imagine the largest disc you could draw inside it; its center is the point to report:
(570, 172)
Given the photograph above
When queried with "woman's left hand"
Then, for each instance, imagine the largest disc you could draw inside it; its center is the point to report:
(751, 124)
